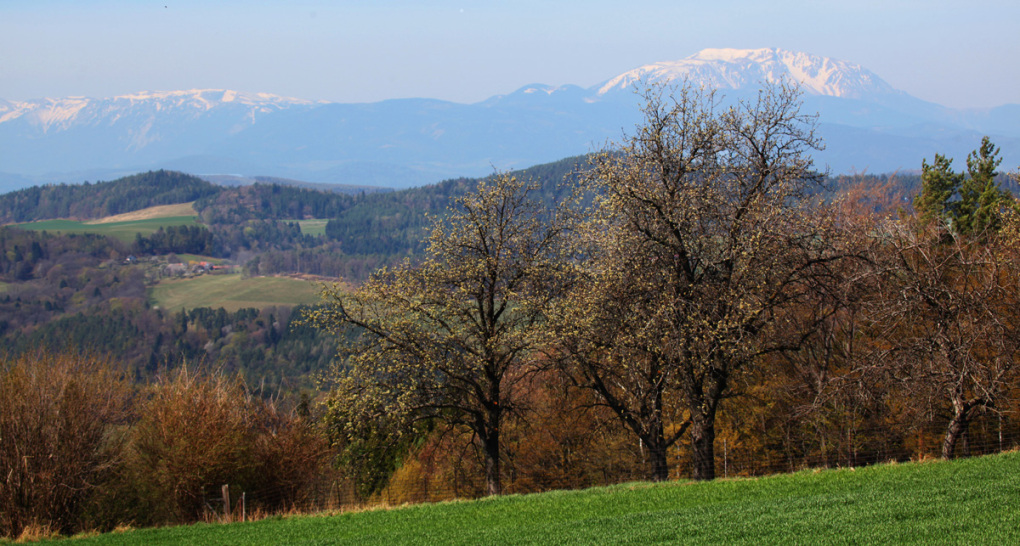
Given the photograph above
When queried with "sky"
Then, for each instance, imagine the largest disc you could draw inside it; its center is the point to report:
(961, 54)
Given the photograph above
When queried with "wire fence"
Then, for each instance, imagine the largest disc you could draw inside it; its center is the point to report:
(463, 479)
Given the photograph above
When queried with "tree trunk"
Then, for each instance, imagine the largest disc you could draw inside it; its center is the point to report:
(658, 467)
(493, 483)
(957, 426)
(703, 446)
(493, 479)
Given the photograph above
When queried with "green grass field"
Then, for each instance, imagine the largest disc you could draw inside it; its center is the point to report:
(125, 231)
(186, 258)
(232, 292)
(313, 227)
(973, 501)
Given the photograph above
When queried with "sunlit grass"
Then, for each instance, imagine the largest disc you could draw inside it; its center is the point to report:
(975, 501)
(314, 227)
(232, 292)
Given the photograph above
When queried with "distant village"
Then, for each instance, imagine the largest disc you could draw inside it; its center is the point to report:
(169, 268)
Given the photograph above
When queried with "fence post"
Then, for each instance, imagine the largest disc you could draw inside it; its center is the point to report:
(243, 507)
(226, 502)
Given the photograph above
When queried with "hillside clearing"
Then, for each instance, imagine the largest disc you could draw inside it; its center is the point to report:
(967, 501)
(314, 227)
(233, 292)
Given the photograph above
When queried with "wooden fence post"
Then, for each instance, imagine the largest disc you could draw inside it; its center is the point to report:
(226, 502)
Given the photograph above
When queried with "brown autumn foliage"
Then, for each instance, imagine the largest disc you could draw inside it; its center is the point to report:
(61, 424)
(82, 448)
(568, 441)
(197, 432)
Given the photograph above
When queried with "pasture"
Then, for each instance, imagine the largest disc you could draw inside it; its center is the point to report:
(232, 292)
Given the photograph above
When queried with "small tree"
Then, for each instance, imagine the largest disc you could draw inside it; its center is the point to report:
(450, 339)
(981, 197)
(939, 185)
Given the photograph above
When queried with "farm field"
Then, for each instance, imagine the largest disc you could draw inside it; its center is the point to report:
(195, 258)
(159, 211)
(314, 227)
(974, 501)
(124, 231)
(232, 292)
(123, 226)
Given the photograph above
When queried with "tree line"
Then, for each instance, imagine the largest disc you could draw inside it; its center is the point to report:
(707, 267)
(87, 201)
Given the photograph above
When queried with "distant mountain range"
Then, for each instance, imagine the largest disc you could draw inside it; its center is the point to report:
(865, 122)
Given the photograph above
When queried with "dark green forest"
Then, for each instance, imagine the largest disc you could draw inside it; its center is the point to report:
(87, 201)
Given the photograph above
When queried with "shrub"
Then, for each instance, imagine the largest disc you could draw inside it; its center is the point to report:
(60, 417)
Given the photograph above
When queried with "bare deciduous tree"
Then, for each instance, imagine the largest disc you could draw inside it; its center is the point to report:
(949, 318)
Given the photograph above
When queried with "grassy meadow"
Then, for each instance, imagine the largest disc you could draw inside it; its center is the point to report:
(314, 227)
(123, 226)
(973, 501)
(232, 292)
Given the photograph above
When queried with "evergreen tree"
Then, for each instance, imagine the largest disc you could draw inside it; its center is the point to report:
(968, 204)
(981, 197)
(938, 186)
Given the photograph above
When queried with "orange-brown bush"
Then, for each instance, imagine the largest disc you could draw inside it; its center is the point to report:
(197, 432)
(60, 437)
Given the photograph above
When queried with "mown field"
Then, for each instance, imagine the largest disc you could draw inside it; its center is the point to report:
(232, 292)
(972, 501)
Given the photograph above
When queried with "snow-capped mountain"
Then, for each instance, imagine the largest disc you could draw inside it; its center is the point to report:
(63, 113)
(866, 123)
(735, 69)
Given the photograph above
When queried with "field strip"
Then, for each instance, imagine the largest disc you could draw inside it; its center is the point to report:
(159, 211)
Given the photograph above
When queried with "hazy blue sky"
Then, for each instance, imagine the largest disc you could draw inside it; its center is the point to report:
(958, 53)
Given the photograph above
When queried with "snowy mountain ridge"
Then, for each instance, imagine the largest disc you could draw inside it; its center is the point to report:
(57, 114)
(865, 123)
(746, 68)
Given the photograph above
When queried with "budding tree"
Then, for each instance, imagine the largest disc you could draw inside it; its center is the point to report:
(701, 239)
(452, 338)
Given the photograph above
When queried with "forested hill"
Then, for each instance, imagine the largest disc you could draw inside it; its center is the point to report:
(381, 227)
(264, 200)
(397, 223)
(88, 201)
